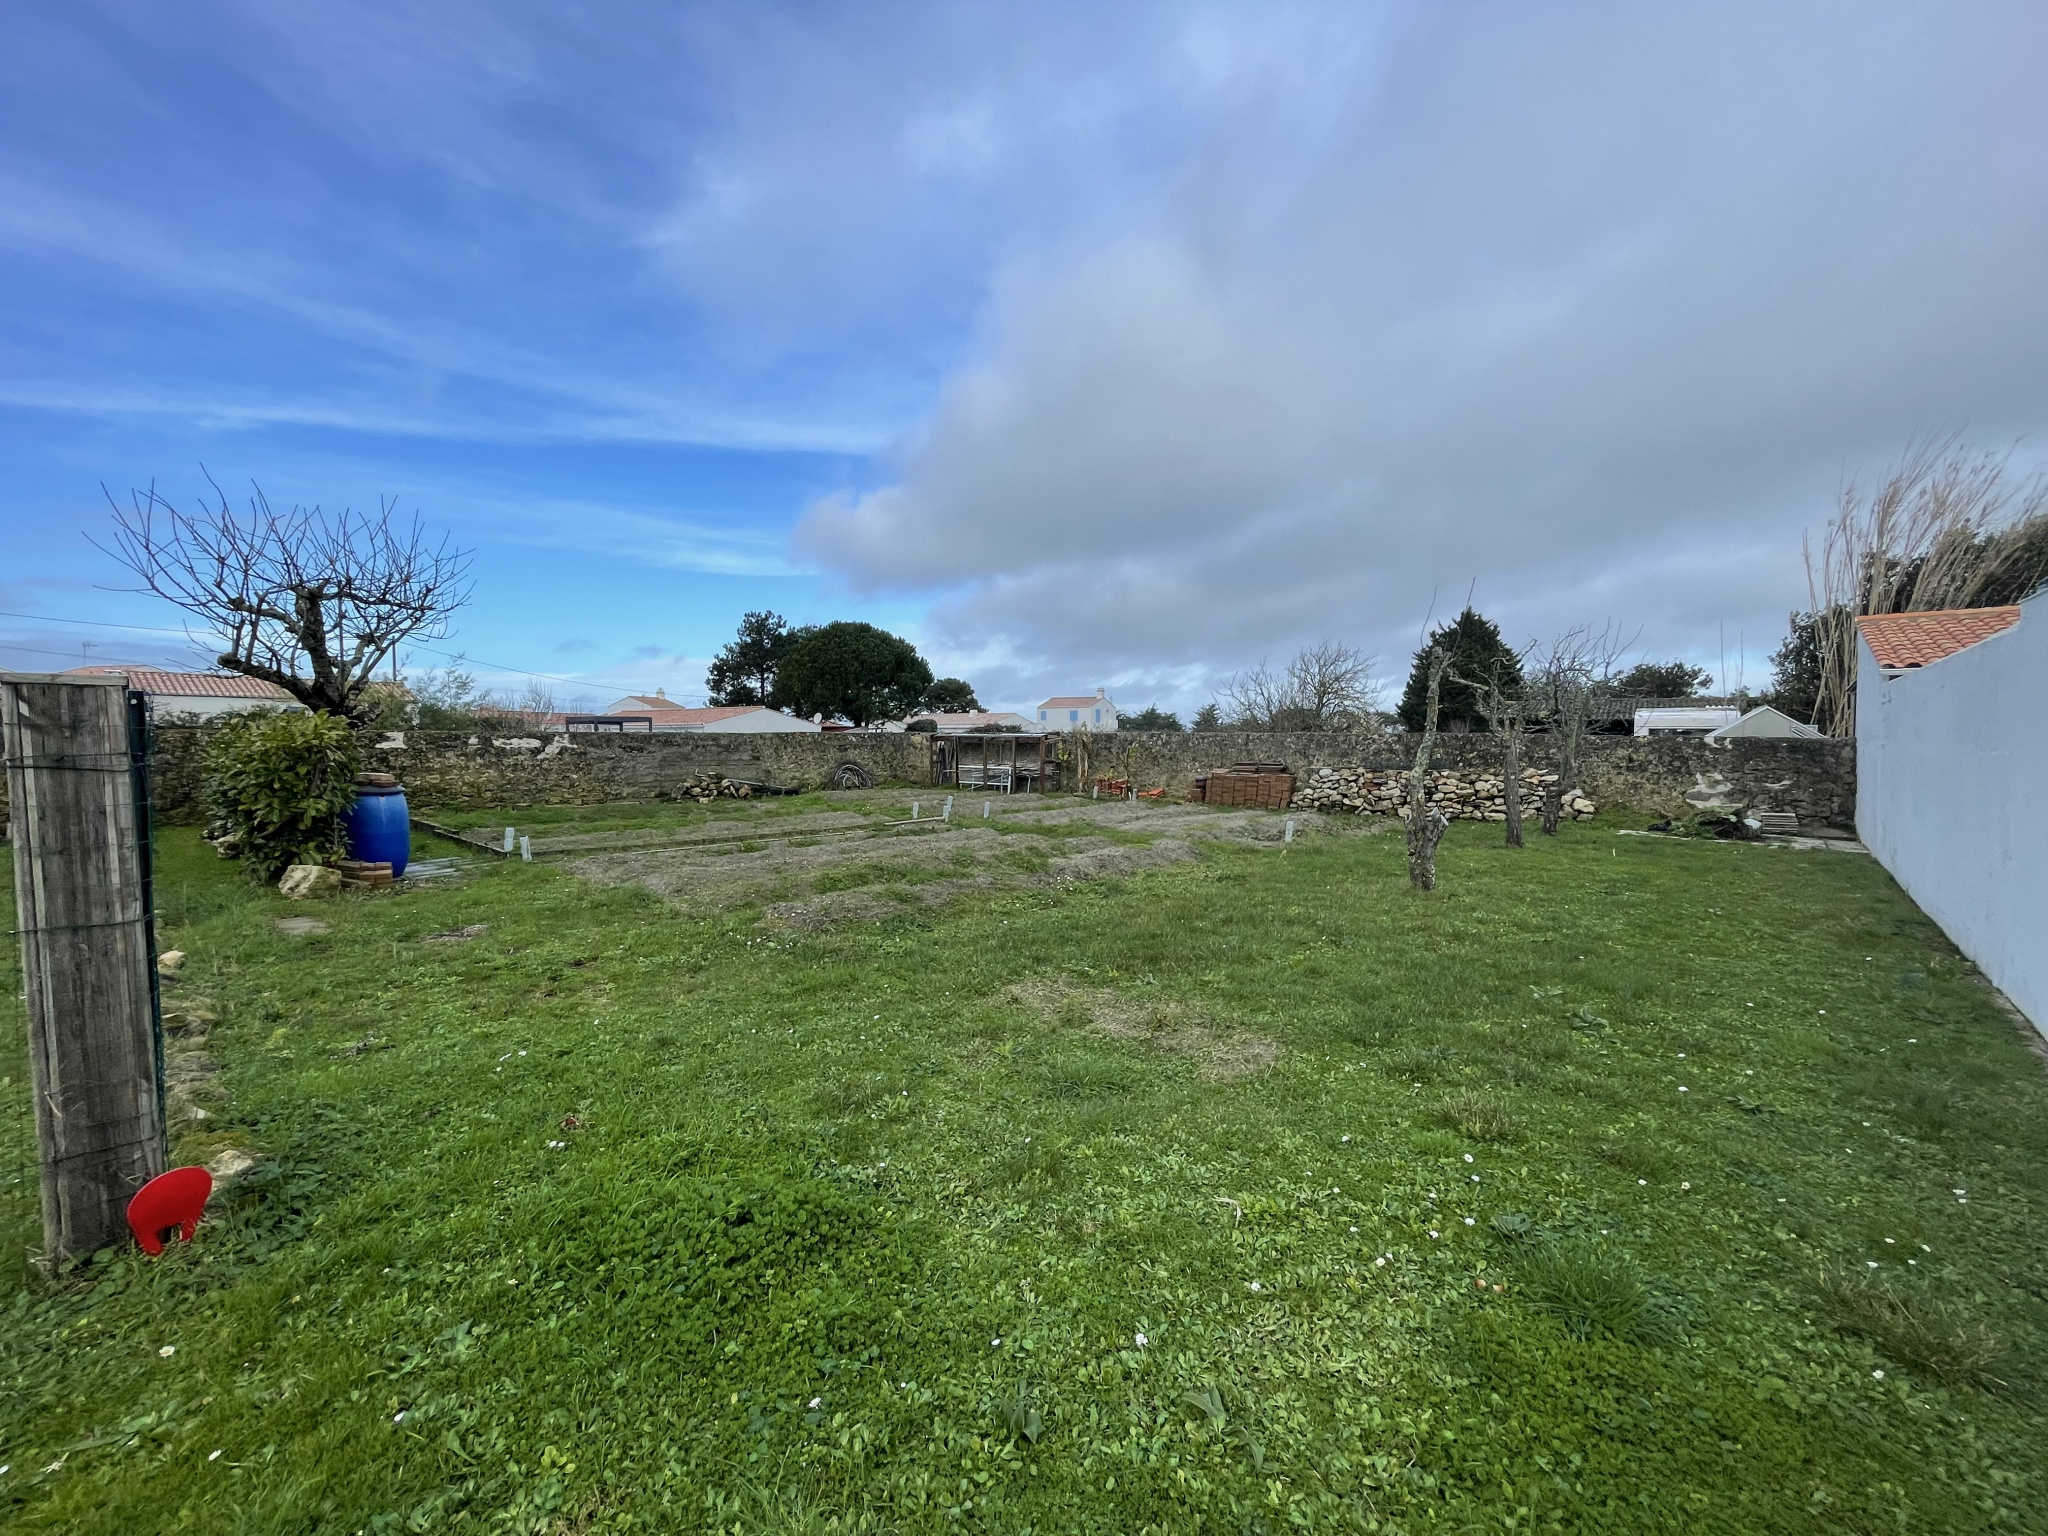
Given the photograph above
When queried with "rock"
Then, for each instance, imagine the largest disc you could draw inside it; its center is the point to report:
(228, 1165)
(304, 882)
(170, 962)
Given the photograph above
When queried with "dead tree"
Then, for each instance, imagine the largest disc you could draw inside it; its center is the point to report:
(1328, 686)
(1576, 662)
(311, 601)
(1501, 706)
(1426, 824)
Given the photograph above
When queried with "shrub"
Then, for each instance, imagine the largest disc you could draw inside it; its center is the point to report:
(278, 785)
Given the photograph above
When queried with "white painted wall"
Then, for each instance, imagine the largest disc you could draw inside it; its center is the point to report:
(1952, 796)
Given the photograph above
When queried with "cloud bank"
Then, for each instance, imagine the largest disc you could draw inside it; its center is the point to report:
(1592, 304)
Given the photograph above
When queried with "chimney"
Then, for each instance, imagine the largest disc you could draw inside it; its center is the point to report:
(1102, 693)
(660, 693)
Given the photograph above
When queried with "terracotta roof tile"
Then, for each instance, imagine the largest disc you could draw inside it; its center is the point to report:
(1903, 640)
(195, 685)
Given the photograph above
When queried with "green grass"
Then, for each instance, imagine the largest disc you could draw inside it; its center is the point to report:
(841, 1240)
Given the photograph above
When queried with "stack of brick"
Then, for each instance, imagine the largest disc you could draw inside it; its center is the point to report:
(1461, 794)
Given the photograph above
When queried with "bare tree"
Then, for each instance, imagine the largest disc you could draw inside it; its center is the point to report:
(1561, 685)
(1426, 824)
(1499, 701)
(1946, 528)
(1327, 686)
(311, 601)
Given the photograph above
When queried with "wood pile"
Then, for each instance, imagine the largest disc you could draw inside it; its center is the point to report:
(1460, 794)
(1264, 786)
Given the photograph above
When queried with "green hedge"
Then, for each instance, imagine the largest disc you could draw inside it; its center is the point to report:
(278, 784)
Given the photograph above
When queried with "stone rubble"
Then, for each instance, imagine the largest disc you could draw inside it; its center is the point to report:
(1460, 794)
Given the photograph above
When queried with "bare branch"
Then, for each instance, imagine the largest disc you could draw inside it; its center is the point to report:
(1328, 686)
(311, 601)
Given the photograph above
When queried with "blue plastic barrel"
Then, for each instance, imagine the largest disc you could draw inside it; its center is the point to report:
(379, 824)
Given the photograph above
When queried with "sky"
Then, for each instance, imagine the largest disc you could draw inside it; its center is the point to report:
(1085, 346)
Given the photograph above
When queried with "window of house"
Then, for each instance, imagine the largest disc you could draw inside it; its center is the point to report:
(1073, 714)
(1098, 717)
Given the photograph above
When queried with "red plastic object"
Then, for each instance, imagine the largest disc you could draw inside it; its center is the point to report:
(172, 1199)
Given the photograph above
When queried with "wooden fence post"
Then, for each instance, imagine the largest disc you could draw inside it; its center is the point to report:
(77, 782)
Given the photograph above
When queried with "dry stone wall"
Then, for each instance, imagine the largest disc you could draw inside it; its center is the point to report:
(455, 769)
(1813, 780)
(1460, 794)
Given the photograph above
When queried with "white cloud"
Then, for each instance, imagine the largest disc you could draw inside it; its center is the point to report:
(1591, 303)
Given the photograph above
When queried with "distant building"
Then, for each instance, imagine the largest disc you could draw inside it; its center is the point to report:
(964, 720)
(1078, 713)
(198, 695)
(667, 715)
(1684, 722)
(1765, 723)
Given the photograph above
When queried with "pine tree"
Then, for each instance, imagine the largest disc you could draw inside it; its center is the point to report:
(1478, 656)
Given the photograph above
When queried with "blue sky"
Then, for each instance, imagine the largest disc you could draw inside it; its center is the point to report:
(1084, 345)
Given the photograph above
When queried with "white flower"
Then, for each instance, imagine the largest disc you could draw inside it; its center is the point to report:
(1872, 1263)
(1354, 1231)
(995, 1343)
(214, 1457)
(1256, 1286)
(558, 1144)
(1475, 1178)
(1890, 1239)
(1468, 1157)
(1379, 1263)
(1347, 1138)
(1878, 1374)
(817, 1402)
(1683, 1089)
(168, 1350)
(1925, 1249)
(1642, 1181)
(1142, 1340)
(1432, 1234)
(398, 1417)
(1684, 1184)
(1470, 1222)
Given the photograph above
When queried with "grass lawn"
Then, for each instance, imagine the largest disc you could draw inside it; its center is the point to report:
(1620, 1185)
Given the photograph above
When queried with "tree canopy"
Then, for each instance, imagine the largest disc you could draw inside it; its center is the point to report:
(950, 695)
(1662, 680)
(1208, 717)
(853, 672)
(1151, 718)
(1478, 659)
(744, 672)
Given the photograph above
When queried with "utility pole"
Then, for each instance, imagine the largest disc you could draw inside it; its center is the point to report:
(75, 750)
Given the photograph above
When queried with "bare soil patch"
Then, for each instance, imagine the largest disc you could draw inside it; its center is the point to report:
(864, 863)
(1167, 1024)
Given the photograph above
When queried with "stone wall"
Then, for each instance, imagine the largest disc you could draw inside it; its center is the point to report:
(456, 769)
(1815, 780)
(1459, 794)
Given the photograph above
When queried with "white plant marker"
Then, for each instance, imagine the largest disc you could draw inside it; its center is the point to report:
(526, 850)
(508, 839)
(947, 814)
(913, 810)
(984, 810)
(1288, 836)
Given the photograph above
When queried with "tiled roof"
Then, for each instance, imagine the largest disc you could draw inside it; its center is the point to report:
(1085, 702)
(1903, 640)
(193, 685)
(667, 713)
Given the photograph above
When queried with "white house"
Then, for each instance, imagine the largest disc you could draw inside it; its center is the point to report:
(1951, 739)
(199, 695)
(1765, 723)
(1684, 722)
(668, 715)
(1079, 713)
